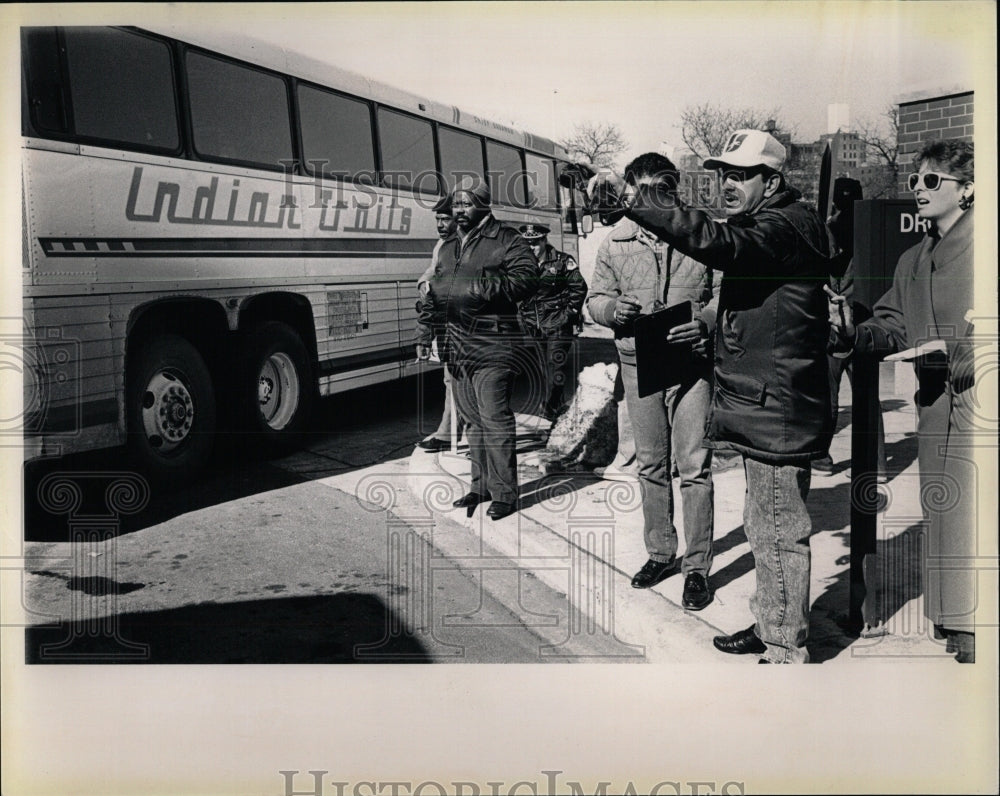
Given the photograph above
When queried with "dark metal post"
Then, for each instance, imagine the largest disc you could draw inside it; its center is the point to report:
(864, 492)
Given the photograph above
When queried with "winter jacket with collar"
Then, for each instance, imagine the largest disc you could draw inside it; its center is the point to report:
(474, 294)
(771, 398)
(656, 274)
(932, 291)
(557, 304)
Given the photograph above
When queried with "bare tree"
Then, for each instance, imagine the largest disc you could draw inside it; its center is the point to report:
(598, 143)
(881, 140)
(706, 128)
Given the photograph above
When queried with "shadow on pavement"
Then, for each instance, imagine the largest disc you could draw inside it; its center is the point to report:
(224, 480)
(899, 580)
(337, 628)
(349, 431)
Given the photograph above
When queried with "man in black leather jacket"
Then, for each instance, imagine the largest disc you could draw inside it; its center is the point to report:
(483, 270)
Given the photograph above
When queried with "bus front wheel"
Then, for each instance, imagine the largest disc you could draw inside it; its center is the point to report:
(171, 408)
(275, 386)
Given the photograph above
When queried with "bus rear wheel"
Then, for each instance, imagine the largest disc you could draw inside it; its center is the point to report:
(275, 392)
(170, 408)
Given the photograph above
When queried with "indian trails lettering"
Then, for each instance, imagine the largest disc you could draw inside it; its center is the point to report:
(233, 206)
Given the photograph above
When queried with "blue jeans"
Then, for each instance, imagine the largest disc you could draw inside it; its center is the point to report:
(778, 527)
(673, 419)
(483, 398)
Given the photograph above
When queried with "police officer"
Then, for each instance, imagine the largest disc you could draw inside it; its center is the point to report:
(551, 314)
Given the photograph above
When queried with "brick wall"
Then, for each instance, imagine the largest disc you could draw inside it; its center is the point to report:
(926, 116)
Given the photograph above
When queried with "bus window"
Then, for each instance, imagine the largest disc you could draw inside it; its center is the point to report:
(541, 182)
(42, 76)
(506, 174)
(238, 115)
(568, 210)
(336, 134)
(461, 154)
(407, 147)
(121, 88)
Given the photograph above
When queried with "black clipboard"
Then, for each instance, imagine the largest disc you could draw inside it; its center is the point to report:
(659, 364)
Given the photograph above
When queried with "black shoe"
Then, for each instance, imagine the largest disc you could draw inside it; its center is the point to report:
(498, 510)
(470, 501)
(696, 592)
(653, 572)
(742, 643)
(763, 660)
(434, 445)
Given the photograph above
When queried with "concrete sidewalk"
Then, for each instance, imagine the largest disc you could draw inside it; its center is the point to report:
(582, 536)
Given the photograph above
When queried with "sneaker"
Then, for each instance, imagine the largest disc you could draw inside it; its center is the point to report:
(823, 466)
(619, 472)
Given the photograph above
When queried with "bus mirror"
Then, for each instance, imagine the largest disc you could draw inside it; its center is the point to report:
(587, 224)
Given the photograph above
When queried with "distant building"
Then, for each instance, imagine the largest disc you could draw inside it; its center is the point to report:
(847, 150)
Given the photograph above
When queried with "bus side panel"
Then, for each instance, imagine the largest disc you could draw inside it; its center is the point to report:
(154, 219)
(76, 374)
(378, 242)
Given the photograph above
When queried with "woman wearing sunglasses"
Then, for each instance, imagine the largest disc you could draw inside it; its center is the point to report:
(925, 315)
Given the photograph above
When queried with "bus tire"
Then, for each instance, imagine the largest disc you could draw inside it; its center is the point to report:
(170, 408)
(274, 387)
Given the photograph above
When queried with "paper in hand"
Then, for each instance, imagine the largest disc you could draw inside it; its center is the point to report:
(930, 347)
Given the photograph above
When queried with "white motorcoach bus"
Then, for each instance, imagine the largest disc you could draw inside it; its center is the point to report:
(218, 229)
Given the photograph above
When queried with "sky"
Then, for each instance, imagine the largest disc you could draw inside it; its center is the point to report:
(544, 67)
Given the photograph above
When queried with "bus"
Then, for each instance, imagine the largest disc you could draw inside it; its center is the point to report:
(217, 231)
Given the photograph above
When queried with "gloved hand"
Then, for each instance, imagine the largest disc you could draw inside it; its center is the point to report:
(604, 196)
(841, 316)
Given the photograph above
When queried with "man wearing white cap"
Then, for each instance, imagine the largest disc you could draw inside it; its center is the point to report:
(771, 400)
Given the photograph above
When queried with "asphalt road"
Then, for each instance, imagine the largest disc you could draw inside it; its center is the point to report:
(277, 561)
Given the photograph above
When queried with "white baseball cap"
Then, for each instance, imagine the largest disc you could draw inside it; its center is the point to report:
(748, 148)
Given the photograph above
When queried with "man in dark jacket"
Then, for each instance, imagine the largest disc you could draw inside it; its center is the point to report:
(771, 400)
(550, 315)
(483, 270)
